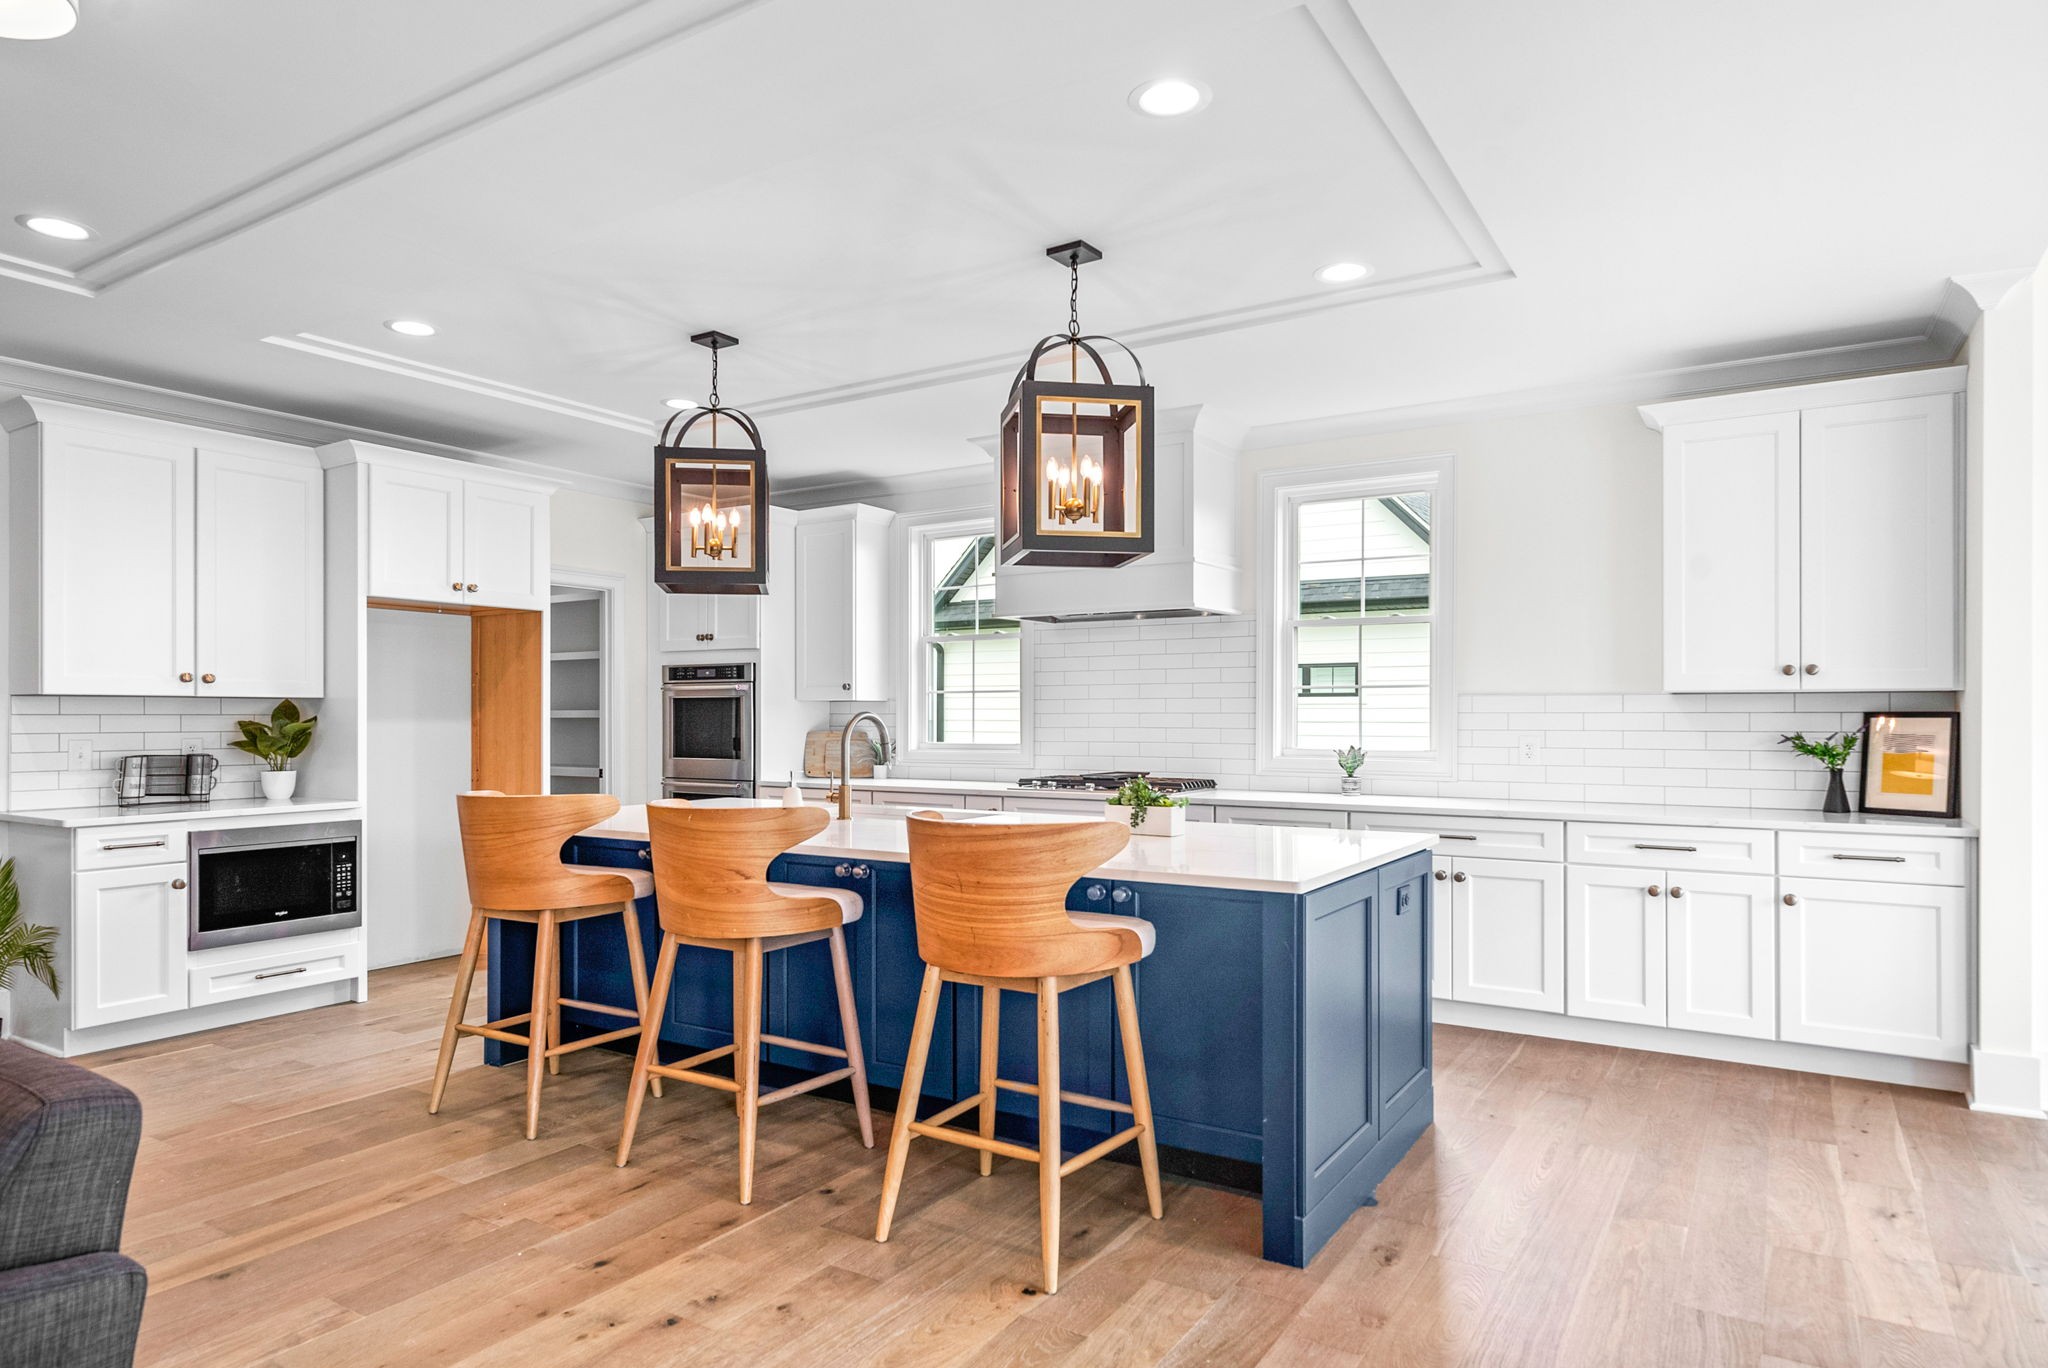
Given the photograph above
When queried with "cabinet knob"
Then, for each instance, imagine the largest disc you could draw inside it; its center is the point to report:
(842, 871)
(1458, 877)
(859, 871)
(1813, 669)
(1788, 669)
(457, 586)
(847, 687)
(206, 679)
(1655, 891)
(1677, 892)
(704, 636)
(185, 678)
(647, 857)
(1791, 900)
(1442, 874)
(177, 883)
(1095, 892)
(1120, 895)
(470, 588)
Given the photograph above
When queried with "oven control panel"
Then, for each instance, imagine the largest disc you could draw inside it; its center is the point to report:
(690, 674)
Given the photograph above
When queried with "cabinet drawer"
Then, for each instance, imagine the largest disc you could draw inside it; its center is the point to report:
(1280, 816)
(280, 970)
(899, 798)
(1904, 858)
(1712, 850)
(123, 846)
(1080, 809)
(1489, 838)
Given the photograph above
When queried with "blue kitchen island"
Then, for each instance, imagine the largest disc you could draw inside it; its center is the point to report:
(1285, 1012)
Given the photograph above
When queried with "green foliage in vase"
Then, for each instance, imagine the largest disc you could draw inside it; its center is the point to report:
(281, 741)
(1349, 759)
(1138, 796)
(23, 944)
(1833, 751)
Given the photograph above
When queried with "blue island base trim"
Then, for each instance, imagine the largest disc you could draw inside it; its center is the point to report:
(1356, 1189)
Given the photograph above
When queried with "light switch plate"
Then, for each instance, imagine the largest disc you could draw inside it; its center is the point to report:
(78, 753)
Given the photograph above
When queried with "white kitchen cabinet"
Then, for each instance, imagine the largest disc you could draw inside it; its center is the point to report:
(1443, 946)
(1614, 944)
(1874, 966)
(1722, 954)
(127, 958)
(706, 622)
(152, 558)
(1812, 536)
(444, 533)
(1507, 933)
(260, 580)
(1280, 816)
(842, 619)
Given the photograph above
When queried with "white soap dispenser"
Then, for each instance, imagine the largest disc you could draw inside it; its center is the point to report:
(792, 796)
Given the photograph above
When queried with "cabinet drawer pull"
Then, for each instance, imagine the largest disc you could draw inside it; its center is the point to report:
(134, 845)
(1646, 845)
(1872, 859)
(1453, 836)
(281, 973)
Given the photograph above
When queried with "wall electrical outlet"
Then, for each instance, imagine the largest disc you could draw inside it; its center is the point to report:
(1528, 751)
(191, 745)
(78, 754)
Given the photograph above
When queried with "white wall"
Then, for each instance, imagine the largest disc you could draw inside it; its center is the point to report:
(418, 737)
(599, 534)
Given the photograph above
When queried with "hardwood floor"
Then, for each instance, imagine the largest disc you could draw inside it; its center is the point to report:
(1574, 1206)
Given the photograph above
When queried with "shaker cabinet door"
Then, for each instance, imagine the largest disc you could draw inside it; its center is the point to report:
(825, 621)
(415, 535)
(1507, 933)
(128, 945)
(1614, 944)
(505, 552)
(1869, 966)
(261, 606)
(1721, 930)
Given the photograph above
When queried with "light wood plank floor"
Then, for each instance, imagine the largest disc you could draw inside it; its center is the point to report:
(1575, 1206)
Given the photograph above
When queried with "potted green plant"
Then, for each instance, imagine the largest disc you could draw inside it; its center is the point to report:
(1348, 760)
(1834, 752)
(277, 744)
(1150, 812)
(23, 944)
(880, 751)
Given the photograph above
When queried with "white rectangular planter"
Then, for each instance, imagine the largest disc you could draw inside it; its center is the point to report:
(1158, 821)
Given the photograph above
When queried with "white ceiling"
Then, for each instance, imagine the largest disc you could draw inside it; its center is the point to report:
(1551, 195)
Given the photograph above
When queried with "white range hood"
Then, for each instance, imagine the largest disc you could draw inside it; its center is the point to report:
(1195, 569)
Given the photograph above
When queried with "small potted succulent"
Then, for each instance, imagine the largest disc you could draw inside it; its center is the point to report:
(23, 944)
(1348, 760)
(277, 744)
(880, 751)
(1150, 812)
(1834, 752)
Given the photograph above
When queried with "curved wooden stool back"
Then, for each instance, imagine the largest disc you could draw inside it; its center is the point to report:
(711, 871)
(512, 856)
(711, 890)
(990, 902)
(992, 897)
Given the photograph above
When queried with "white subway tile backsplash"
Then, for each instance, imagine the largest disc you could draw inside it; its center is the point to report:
(41, 729)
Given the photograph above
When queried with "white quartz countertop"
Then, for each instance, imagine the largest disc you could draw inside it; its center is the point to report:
(1257, 859)
(159, 813)
(1774, 819)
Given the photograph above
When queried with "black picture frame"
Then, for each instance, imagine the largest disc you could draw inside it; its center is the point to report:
(1872, 799)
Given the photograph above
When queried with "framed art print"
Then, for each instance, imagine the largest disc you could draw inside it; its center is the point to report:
(1909, 764)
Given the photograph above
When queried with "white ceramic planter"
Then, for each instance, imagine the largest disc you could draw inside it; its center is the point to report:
(278, 785)
(1158, 821)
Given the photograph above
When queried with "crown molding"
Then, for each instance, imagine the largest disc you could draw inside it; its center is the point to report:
(41, 273)
(1966, 298)
(969, 480)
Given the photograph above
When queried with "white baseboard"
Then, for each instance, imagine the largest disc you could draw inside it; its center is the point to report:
(122, 1034)
(2007, 1084)
(1770, 1054)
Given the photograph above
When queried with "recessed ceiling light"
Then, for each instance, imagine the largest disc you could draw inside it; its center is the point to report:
(53, 227)
(411, 327)
(1343, 272)
(1169, 96)
(37, 18)
(680, 403)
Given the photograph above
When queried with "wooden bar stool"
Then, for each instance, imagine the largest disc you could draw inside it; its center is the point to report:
(990, 901)
(512, 852)
(711, 886)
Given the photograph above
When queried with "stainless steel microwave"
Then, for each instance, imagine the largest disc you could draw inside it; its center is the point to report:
(262, 883)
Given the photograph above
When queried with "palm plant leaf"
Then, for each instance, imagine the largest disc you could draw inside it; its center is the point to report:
(23, 944)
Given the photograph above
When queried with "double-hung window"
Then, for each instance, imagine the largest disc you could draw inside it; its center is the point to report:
(967, 667)
(1356, 647)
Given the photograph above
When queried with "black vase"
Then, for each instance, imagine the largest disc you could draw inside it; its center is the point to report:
(1838, 797)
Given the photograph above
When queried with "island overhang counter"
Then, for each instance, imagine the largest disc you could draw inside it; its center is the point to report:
(1285, 1011)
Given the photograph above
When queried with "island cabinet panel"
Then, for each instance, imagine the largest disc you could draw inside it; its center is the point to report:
(1402, 970)
(1340, 1114)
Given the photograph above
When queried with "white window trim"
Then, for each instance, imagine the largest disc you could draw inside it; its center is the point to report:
(1280, 492)
(912, 748)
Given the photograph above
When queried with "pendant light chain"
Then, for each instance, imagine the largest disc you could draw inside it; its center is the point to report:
(714, 376)
(1073, 298)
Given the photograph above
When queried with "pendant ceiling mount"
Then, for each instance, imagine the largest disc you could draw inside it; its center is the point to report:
(711, 495)
(1074, 472)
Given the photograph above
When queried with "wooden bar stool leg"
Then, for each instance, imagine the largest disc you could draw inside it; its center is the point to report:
(465, 974)
(747, 1067)
(1049, 1129)
(849, 1032)
(991, 1031)
(636, 960)
(906, 1098)
(543, 1012)
(555, 1000)
(1141, 1090)
(650, 1041)
(739, 992)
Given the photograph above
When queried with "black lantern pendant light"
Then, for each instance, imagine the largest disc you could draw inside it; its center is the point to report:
(1074, 483)
(711, 500)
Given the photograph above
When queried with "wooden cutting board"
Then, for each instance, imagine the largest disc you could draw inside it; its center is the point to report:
(821, 756)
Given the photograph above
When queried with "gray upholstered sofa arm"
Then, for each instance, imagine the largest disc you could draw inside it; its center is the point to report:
(82, 1312)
